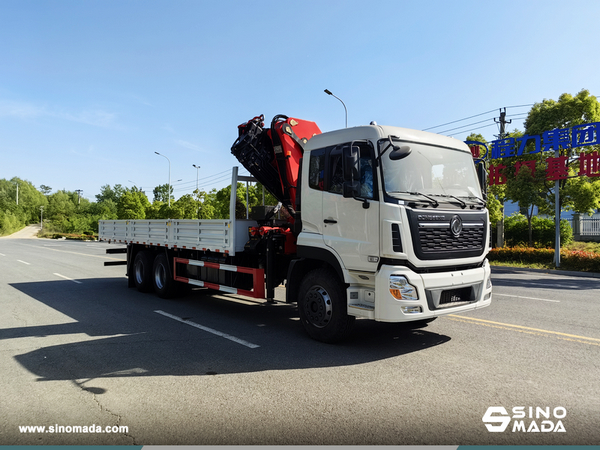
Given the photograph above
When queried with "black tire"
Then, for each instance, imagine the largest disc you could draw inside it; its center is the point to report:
(142, 271)
(162, 278)
(322, 307)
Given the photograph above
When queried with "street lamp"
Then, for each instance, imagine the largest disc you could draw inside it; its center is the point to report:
(328, 92)
(169, 185)
(197, 170)
(17, 183)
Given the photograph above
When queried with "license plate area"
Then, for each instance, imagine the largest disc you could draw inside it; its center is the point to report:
(452, 297)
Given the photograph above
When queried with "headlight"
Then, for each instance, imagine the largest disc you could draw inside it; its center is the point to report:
(401, 289)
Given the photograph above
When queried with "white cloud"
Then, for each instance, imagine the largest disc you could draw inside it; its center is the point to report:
(21, 110)
(188, 145)
(26, 110)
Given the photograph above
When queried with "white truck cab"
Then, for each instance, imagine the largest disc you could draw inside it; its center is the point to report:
(408, 234)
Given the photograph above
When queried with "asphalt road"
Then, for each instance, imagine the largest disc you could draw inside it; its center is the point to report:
(79, 349)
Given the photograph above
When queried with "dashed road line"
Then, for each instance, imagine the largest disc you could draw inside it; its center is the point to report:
(23, 262)
(528, 298)
(209, 330)
(67, 278)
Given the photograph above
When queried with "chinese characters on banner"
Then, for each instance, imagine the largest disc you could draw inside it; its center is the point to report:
(556, 167)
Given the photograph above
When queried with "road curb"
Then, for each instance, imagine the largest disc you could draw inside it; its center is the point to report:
(571, 273)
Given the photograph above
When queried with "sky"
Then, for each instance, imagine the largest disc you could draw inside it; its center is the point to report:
(90, 90)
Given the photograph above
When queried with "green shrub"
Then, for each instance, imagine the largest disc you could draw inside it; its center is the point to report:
(516, 231)
(579, 260)
(9, 223)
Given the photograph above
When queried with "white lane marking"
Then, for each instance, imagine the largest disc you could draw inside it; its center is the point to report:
(67, 278)
(2, 254)
(24, 262)
(209, 330)
(528, 298)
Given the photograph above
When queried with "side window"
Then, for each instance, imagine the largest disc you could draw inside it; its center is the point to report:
(334, 169)
(316, 170)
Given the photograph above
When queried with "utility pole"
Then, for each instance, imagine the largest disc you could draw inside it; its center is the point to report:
(17, 183)
(79, 192)
(41, 217)
(503, 122)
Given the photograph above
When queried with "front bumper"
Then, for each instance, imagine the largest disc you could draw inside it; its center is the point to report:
(438, 293)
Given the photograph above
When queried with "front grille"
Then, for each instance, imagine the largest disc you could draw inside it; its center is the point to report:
(437, 239)
(433, 238)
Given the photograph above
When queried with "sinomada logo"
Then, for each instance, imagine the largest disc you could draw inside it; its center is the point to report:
(525, 419)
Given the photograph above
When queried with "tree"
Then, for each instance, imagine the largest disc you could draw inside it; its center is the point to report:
(185, 208)
(578, 193)
(132, 205)
(108, 193)
(163, 193)
(206, 203)
(496, 194)
(45, 189)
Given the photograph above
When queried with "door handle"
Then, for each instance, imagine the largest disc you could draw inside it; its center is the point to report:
(330, 221)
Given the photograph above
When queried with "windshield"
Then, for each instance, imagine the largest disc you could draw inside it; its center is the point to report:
(430, 171)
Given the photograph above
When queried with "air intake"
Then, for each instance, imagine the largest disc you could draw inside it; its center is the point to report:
(396, 241)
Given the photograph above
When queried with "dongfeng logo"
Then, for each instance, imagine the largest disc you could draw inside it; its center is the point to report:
(456, 226)
(525, 419)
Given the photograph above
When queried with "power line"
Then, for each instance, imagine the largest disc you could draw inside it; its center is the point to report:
(476, 115)
(460, 120)
(463, 126)
(477, 128)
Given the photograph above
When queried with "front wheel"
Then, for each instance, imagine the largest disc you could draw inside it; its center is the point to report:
(322, 307)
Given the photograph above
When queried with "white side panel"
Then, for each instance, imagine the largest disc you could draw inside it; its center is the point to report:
(213, 235)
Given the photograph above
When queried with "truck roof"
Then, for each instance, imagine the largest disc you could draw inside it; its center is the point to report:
(376, 132)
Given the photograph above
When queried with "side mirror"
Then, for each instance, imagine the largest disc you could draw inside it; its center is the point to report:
(351, 189)
(350, 156)
(482, 175)
(400, 152)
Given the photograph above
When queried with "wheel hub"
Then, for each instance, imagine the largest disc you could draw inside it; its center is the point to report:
(317, 306)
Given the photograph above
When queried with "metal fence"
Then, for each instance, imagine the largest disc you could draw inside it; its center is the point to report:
(585, 228)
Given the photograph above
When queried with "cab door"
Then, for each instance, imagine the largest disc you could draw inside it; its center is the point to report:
(351, 225)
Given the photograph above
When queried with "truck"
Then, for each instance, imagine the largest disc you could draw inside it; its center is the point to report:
(373, 222)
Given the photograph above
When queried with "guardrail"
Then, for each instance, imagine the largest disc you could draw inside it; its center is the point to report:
(585, 228)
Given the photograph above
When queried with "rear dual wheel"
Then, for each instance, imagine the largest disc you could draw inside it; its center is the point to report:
(142, 271)
(164, 284)
(154, 273)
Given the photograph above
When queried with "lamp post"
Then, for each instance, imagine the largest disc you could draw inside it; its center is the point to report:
(328, 92)
(197, 191)
(169, 185)
(197, 171)
(17, 184)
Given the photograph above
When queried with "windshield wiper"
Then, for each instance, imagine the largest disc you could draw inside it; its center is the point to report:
(433, 201)
(480, 200)
(463, 205)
